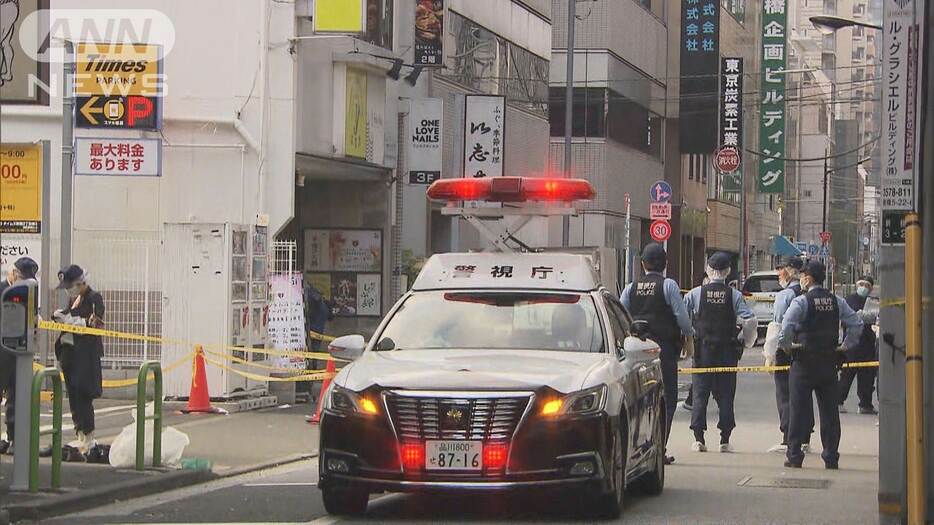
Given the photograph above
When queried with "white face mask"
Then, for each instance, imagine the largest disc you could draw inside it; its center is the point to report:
(74, 290)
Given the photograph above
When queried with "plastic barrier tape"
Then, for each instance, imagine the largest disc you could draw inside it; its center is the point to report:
(121, 383)
(732, 369)
(317, 376)
(261, 365)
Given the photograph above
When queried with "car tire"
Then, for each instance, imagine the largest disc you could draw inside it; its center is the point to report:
(653, 482)
(345, 502)
(610, 505)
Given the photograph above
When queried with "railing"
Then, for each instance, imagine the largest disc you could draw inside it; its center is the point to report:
(56, 431)
(156, 417)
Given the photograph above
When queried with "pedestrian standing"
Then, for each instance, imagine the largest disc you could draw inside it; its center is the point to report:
(657, 300)
(79, 354)
(866, 350)
(788, 272)
(723, 325)
(24, 268)
(810, 330)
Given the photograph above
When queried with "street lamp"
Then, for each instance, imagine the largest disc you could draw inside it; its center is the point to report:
(828, 24)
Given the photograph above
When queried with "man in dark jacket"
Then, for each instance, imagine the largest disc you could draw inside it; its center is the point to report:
(23, 269)
(866, 350)
(80, 355)
(657, 300)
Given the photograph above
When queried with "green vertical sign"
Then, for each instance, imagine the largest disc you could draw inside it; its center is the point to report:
(772, 97)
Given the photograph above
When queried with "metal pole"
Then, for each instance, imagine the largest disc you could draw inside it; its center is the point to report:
(146, 305)
(23, 400)
(914, 372)
(68, 133)
(628, 227)
(826, 172)
(568, 112)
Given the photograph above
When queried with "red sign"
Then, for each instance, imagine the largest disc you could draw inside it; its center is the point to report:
(660, 230)
(825, 237)
(660, 210)
(728, 159)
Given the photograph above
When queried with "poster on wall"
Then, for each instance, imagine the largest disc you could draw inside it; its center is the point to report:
(344, 293)
(355, 116)
(429, 32)
(343, 250)
(13, 246)
(368, 294)
(24, 67)
(424, 141)
(484, 135)
(286, 325)
(20, 188)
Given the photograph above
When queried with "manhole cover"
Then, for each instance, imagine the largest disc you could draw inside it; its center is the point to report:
(784, 483)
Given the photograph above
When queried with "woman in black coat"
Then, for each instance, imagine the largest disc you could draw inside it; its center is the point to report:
(80, 355)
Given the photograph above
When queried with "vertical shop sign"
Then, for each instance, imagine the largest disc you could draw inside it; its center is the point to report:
(700, 52)
(429, 33)
(772, 97)
(484, 135)
(355, 115)
(424, 155)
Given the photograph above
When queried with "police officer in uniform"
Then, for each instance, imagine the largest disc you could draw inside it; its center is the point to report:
(723, 324)
(657, 300)
(788, 277)
(866, 350)
(813, 321)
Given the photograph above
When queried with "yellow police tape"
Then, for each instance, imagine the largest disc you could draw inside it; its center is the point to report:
(774, 368)
(316, 376)
(121, 383)
(264, 366)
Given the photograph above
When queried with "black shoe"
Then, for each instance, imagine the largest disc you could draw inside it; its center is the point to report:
(669, 460)
(4, 446)
(867, 410)
(792, 464)
(831, 465)
(45, 452)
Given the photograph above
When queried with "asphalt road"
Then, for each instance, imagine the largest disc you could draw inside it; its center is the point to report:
(702, 488)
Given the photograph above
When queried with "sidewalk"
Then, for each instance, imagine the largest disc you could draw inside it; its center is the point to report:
(234, 443)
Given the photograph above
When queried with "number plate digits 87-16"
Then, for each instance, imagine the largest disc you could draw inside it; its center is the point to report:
(453, 455)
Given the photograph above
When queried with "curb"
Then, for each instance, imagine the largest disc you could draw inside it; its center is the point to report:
(278, 462)
(100, 496)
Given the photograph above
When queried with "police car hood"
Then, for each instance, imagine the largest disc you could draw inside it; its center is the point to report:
(452, 369)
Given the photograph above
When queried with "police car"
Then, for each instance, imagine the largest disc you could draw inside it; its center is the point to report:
(497, 372)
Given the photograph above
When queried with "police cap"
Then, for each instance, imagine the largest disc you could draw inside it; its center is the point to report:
(69, 275)
(654, 257)
(815, 270)
(719, 261)
(27, 267)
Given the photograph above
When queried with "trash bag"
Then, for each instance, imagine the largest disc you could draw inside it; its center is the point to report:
(770, 348)
(123, 448)
(99, 454)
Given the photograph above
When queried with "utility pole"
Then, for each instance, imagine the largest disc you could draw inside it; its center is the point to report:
(568, 112)
(826, 172)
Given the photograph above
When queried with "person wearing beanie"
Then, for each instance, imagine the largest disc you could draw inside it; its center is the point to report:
(810, 335)
(724, 324)
(655, 299)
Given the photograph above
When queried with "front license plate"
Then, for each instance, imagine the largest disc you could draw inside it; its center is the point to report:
(454, 455)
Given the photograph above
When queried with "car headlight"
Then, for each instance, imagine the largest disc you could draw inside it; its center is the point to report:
(346, 402)
(585, 402)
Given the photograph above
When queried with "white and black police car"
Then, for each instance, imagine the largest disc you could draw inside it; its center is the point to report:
(496, 372)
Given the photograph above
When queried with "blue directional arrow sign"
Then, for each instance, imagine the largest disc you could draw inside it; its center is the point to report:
(660, 191)
(813, 250)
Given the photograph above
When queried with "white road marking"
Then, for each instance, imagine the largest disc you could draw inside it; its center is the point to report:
(97, 412)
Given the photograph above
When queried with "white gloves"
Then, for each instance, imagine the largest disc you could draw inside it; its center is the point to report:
(61, 317)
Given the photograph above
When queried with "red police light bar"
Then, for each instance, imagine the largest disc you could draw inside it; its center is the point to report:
(511, 189)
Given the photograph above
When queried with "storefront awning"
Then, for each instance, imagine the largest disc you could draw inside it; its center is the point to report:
(782, 247)
(326, 168)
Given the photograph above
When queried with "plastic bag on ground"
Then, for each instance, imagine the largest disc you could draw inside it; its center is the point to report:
(123, 448)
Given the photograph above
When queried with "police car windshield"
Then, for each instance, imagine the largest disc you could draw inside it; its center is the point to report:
(495, 321)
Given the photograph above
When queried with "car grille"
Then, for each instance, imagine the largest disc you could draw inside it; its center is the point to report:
(484, 418)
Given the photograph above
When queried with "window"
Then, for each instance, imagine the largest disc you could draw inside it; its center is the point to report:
(619, 320)
(859, 53)
(588, 114)
(379, 23)
(830, 7)
(691, 173)
(599, 112)
(822, 119)
(857, 31)
(808, 194)
(762, 283)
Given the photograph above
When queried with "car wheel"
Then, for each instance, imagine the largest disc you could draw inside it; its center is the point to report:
(610, 505)
(653, 482)
(345, 502)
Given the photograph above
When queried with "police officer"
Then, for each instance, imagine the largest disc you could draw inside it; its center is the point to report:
(23, 268)
(716, 310)
(788, 278)
(866, 350)
(813, 320)
(657, 300)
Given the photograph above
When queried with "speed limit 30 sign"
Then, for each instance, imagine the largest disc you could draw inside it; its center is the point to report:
(660, 230)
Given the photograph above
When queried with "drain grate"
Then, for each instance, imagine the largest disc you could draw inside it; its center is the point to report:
(784, 483)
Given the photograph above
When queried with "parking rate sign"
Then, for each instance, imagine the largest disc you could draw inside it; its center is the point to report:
(772, 97)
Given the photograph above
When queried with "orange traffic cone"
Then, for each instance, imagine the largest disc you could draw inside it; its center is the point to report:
(330, 371)
(198, 398)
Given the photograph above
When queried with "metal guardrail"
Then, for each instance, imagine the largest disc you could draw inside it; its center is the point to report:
(56, 431)
(156, 417)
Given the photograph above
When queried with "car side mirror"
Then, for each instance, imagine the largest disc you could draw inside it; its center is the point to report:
(640, 328)
(643, 347)
(348, 347)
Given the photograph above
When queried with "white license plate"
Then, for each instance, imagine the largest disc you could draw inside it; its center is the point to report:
(453, 455)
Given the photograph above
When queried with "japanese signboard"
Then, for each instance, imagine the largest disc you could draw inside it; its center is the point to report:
(339, 16)
(731, 104)
(118, 86)
(429, 32)
(286, 317)
(423, 157)
(343, 250)
(660, 210)
(772, 97)
(23, 26)
(901, 35)
(355, 132)
(15, 245)
(118, 156)
(700, 57)
(484, 135)
(20, 188)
